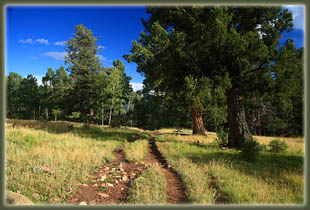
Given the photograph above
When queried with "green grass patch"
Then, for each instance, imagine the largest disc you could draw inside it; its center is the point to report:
(149, 188)
(136, 151)
(195, 181)
(43, 165)
(278, 177)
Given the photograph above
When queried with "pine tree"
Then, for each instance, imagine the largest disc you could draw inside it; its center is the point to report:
(83, 65)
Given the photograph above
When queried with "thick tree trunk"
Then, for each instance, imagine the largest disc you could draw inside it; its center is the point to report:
(198, 128)
(238, 127)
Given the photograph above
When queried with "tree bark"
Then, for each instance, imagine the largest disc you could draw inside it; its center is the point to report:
(46, 113)
(102, 113)
(238, 127)
(110, 117)
(91, 116)
(198, 128)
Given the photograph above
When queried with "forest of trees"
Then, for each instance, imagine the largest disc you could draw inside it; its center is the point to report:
(205, 68)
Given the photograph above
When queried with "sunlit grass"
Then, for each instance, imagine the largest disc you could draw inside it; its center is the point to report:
(136, 151)
(278, 178)
(149, 188)
(47, 166)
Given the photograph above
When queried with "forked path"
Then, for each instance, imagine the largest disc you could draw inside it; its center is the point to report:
(111, 182)
(175, 186)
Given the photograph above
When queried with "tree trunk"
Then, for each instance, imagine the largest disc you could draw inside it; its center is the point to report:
(102, 113)
(128, 106)
(238, 127)
(91, 116)
(198, 128)
(110, 117)
(46, 113)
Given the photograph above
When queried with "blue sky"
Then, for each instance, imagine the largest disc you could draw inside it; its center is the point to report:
(35, 35)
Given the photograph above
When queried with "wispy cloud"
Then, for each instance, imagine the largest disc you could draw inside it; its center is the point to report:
(56, 55)
(298, 15)
(60, 43)
(105, 61)
(100, 47)
(136, 86)
(42, 41)
(30, 41)
(33, 57)
(102, 59)
(26, 41)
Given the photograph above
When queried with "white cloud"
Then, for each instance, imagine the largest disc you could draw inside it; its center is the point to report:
(27, 41)
(56, 55)
(298, 15)
(101, 47)
(102, 59)
(42, 41)
(136, 86)
(60, 43)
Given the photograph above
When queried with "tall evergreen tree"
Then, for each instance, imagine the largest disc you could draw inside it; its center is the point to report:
(83, 64)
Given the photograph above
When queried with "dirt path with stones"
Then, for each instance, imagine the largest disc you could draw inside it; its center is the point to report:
(110, 183)
(175, 187)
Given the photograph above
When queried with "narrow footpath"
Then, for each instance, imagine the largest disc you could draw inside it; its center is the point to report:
(175, 186)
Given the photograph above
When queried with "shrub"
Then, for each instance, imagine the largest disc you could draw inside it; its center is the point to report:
(250, 150)
(278, 146)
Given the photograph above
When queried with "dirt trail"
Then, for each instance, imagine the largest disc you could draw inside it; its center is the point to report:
(111, 182)
(112, 189)
(175, 187)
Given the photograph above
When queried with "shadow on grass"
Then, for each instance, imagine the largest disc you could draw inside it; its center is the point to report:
(273, 163)
(95, 132)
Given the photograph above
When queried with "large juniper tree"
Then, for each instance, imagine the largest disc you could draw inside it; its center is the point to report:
(83, 64)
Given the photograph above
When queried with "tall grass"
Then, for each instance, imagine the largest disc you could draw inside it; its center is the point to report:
(136, 151)
(195, 181)
(149, 188)
(46, 166)
(272, 179)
